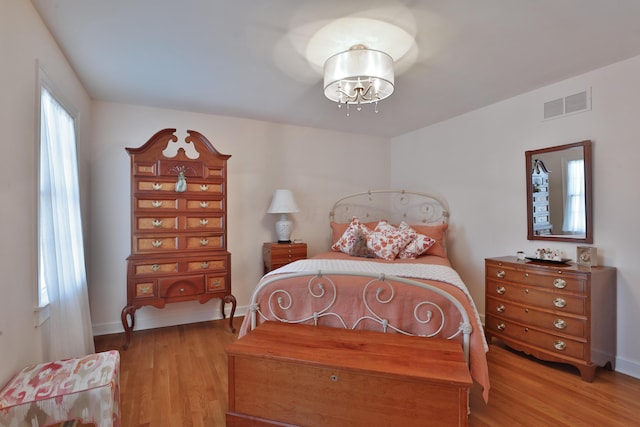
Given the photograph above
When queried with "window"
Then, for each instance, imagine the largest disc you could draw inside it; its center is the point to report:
(574, 218)
(60, 246)
(63, 299)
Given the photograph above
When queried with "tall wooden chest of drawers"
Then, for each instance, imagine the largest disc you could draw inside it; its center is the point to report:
(178, 225)
(285, 374)
(556, 312)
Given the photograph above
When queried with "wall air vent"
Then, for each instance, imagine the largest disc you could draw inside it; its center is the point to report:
(571, 104)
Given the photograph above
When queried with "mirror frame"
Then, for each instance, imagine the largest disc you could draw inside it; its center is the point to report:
(529, 155)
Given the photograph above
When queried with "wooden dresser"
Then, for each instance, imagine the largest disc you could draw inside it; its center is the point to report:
(275, 255)
(178, 225)
(286, 374)
(555, 312)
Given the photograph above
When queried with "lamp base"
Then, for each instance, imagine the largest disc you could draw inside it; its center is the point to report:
(283, 229)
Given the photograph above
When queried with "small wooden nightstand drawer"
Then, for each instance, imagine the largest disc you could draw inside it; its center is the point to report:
(275, 255)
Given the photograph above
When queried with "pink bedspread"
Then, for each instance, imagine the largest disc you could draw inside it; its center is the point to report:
(352, 307)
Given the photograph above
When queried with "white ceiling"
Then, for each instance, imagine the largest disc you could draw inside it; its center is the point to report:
(233, 57)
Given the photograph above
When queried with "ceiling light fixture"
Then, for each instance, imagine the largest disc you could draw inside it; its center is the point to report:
(358, 76)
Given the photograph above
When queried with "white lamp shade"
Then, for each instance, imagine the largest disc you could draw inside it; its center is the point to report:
(283, 202)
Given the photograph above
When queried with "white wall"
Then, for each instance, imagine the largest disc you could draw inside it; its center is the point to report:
(23, 40)
(476, 161)
(318, 166)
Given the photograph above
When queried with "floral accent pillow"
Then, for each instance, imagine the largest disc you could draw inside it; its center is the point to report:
(386, 241)
(418, 245)
(354, 240)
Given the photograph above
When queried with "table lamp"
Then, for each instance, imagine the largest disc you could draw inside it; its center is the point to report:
(283, 203)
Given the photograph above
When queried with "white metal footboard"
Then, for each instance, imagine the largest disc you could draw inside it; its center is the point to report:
(376, 288)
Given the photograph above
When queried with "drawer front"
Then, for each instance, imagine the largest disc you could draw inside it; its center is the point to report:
(157, 204)
(214, 264)
(155, 268)
(155, 185)
(552, 322)
(557, 280)
(182, 286)
(282, 260)
(145, 289)
(556, 344)
(216, 172)
(204, 223)
(285, 251)
(205, 187)
(165, 186)
(216, 283)
(533, 296)
(205, 205)
(205, 242)
(156, 223)
(156, 244)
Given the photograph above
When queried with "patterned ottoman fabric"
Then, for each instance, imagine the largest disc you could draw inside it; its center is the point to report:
(85, 388)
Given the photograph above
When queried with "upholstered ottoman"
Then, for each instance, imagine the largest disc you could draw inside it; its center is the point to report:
(85, 388)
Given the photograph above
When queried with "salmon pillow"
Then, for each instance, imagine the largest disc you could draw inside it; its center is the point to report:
(437, 233)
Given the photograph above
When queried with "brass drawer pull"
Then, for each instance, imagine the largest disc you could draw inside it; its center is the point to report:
(156, 222)
(501, 273)
(204, 221)
(559, 302)
(181, 289)
(501, 326)
(560, 283)
(204, 204)
(156, 186)
(501, 290)
(156, 243)
(500, 308)
(559, 345)
(204, 264)
(559, 324)
(204, 187)
(156, 204)
(204, 242)
(155, 267)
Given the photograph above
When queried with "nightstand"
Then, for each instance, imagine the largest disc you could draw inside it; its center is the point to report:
(275, 255)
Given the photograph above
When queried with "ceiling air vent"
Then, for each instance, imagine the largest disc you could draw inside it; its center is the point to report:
(571, 104)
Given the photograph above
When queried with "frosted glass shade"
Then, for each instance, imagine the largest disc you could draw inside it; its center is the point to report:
(358, 75)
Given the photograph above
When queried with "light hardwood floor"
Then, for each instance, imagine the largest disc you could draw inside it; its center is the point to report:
(177, 377)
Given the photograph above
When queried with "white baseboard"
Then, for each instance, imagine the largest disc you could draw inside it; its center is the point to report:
(173, 314)
(628, 367)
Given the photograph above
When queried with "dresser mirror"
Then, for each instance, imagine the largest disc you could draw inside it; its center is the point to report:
(559, 193)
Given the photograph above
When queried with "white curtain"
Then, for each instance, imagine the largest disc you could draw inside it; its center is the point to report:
(574, 212)
(61, 248)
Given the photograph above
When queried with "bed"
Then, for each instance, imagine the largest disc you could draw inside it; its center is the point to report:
(387, 269)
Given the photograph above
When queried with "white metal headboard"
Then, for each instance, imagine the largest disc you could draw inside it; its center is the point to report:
(392, 205)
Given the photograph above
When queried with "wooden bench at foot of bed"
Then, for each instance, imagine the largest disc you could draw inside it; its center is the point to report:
(285, 374)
